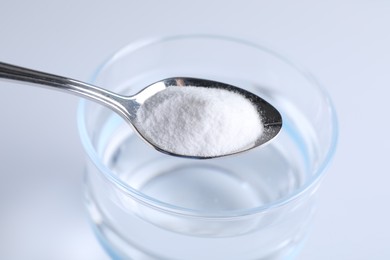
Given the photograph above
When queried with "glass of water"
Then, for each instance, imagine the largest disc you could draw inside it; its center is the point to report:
(256, 205)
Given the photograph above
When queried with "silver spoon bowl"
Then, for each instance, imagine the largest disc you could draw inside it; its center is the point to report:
(127, 106)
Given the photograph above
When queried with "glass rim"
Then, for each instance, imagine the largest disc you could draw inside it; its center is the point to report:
(173, 209)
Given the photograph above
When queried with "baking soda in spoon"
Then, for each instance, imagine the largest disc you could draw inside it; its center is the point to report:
(199, 121)
(213, 121)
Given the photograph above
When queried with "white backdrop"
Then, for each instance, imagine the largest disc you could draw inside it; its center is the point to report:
(345, 43)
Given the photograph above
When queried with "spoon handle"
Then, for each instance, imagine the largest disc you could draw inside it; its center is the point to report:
(105, 97)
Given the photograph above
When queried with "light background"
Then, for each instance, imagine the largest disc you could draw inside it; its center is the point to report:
(346, 43)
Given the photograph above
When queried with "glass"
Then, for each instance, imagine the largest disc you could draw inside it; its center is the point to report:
(257, 205)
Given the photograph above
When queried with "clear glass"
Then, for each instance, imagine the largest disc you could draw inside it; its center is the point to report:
(257, 205)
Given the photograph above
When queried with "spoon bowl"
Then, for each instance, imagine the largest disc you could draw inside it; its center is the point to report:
(127, 106)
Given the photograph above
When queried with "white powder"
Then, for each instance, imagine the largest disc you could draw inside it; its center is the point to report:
(199, 121)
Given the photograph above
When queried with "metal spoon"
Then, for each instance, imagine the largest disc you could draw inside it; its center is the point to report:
(127, 106)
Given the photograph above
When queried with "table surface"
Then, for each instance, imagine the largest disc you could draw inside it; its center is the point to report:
(345, 43)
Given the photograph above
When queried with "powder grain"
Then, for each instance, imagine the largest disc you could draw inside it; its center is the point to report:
(199, 121)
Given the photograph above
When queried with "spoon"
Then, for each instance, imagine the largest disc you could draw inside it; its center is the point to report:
(127, 106)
